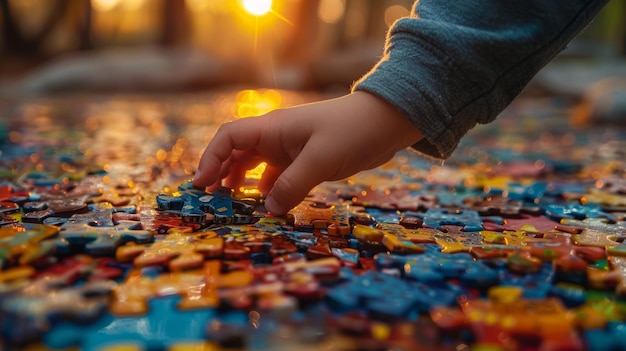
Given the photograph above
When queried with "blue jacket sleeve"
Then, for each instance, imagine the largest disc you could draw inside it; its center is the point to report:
(454, 64)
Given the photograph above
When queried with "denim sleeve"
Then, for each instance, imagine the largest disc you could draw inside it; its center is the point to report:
(454, 64)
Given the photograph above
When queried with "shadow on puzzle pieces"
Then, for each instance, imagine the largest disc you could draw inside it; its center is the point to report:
(95, 233)
(26, 243)
(162, 328)
(198, 206)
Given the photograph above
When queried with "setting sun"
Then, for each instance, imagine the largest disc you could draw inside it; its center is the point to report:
(257, 7)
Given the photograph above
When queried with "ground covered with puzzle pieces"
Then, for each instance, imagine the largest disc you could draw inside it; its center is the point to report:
(515, 243)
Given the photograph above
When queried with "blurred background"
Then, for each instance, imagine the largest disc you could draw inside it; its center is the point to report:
(51, 46)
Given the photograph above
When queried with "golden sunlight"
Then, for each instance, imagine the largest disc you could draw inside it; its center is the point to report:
(257, 172)
(252, 103)
(257, 7)
(104, 5)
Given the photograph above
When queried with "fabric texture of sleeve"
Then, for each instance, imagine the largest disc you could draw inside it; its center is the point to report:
(454, 64)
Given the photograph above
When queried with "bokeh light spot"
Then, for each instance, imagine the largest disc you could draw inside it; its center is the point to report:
(395, 12)
(331, 11)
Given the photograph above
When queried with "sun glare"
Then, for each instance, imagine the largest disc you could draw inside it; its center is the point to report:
(257, 7)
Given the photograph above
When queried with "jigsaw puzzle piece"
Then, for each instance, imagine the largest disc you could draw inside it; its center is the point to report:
(533, 192)
(612, 337)
(384, 297)
(393, 237)
(618, 264)
(507, 321)
(575, 211)
(163, 328)
(569, 260)
(25, 244)
(436, 267)
(177, 251)
(310, 216)
(438, 217)
(611, 202)
(197, 206)
(37, 212)
(534, 284)
(595, 231)
(30, 311)
(395, 198)
(93, 234)
(540, 223)
(498, 205)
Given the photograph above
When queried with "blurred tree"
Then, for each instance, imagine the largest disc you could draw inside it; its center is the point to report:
(16, 42)
(174, 28)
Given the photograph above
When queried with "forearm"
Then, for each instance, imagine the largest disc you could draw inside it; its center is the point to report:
(455, 64)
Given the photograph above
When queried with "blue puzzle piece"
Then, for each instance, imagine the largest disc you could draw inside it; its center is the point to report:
(197, 206)
(576, 211)
(383, 216)
(388, 297)
(438, 217)
(97, 234)
(535, 285)
(453, 198)
(613, 337)
(435, 267)
(163, 327)
(571, 295)
(532, 193)
(26, 314)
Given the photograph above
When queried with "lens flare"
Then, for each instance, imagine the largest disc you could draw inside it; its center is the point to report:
(257, 7)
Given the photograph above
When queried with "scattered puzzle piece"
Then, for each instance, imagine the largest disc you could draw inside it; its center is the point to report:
(22, 244)
(197, 206)
(438, 217)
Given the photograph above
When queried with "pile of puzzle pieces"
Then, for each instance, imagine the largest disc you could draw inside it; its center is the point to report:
(523, 253)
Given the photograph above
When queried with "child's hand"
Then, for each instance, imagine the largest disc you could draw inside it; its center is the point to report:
(305, 146)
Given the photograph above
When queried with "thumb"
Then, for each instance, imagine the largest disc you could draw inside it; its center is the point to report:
(295, 183)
